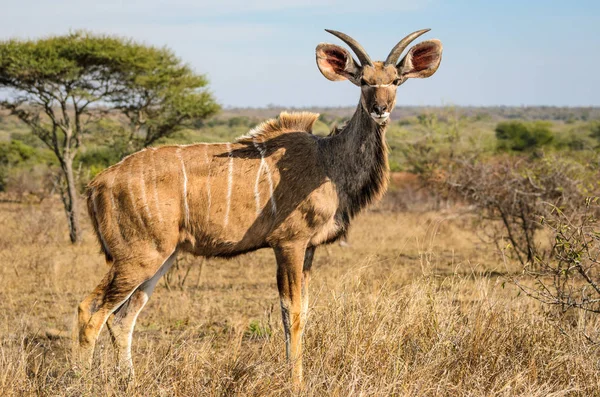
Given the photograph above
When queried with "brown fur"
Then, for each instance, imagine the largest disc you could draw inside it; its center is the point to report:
(279, 187)
(207, 232)
(379, 74)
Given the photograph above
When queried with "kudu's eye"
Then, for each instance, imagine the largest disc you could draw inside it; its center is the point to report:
(397, 81)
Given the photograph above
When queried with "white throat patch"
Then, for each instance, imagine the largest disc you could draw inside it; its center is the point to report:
(380, 119)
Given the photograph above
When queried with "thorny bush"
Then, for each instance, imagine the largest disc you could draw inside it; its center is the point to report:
(512, 194)
(570, 277)
(522, 200)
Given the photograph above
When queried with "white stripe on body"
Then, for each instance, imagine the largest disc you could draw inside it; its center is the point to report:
(208, 197)
(185, 189)
(95, 206)
(143, 194)
(113, 202)
(229, 184)
(132, 195)
(112, 196)
(258, 175)
(155, 187)
(264, 164)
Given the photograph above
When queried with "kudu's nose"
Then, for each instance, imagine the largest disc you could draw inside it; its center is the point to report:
(379, 109)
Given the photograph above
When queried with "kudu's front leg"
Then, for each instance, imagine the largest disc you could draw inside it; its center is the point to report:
(293, 266)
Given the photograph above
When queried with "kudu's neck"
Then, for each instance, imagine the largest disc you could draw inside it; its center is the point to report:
(356, 161)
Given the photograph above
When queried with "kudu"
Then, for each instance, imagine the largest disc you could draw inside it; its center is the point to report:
(279, 187)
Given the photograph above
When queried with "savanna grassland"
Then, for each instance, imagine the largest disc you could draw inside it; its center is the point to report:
(416, 305)
(421, 302)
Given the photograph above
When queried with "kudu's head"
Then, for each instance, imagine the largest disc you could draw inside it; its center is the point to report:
(379, 80)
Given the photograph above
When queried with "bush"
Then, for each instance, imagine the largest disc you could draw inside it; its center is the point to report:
(513, 194)
(570, 277)
(595, 131)
(14, 153)
(15, 157)
(28, 139)
(99, 158)
(520, 136)
(436, 144)
(238, 121)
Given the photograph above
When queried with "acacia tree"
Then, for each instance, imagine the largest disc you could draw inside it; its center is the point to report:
(59, 85)
(162, 96)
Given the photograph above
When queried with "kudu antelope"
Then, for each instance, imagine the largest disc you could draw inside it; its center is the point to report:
(279, 187)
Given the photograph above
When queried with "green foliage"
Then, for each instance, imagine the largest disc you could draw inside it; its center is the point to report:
(439, 137)
(14, 153)
(258, 330)
(27, 138)
(321, 128)
(482, 116)
(521, 136)
(237, 121)
(327, 118)
(578, 142)
(163, 97)
(595, 131)
(17, 153)
(97, 159)
(404, 122)
(16, 156)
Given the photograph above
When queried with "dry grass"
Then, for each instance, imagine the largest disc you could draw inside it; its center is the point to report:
(416, 306)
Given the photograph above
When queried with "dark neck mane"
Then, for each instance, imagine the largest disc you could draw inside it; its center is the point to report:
(356, 161)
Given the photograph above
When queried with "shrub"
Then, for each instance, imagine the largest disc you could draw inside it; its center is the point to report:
(570, 277)
(512, 194)
(99, 158)
(15, 152)
(520, 136)
(238, 121)
(16, 157)
(595, 131)
(27, 138)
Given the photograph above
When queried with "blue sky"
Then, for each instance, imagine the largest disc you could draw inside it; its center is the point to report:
(259, 53)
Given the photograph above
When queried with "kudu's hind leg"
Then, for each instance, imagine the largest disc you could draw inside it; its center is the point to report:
(83, 346)
(290, 281)
(121, 323)
(114, 290)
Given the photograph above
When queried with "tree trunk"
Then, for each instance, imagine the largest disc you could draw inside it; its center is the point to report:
(70, 200)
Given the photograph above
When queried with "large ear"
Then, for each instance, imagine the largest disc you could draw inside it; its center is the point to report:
(336, 63)
(422, 60)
